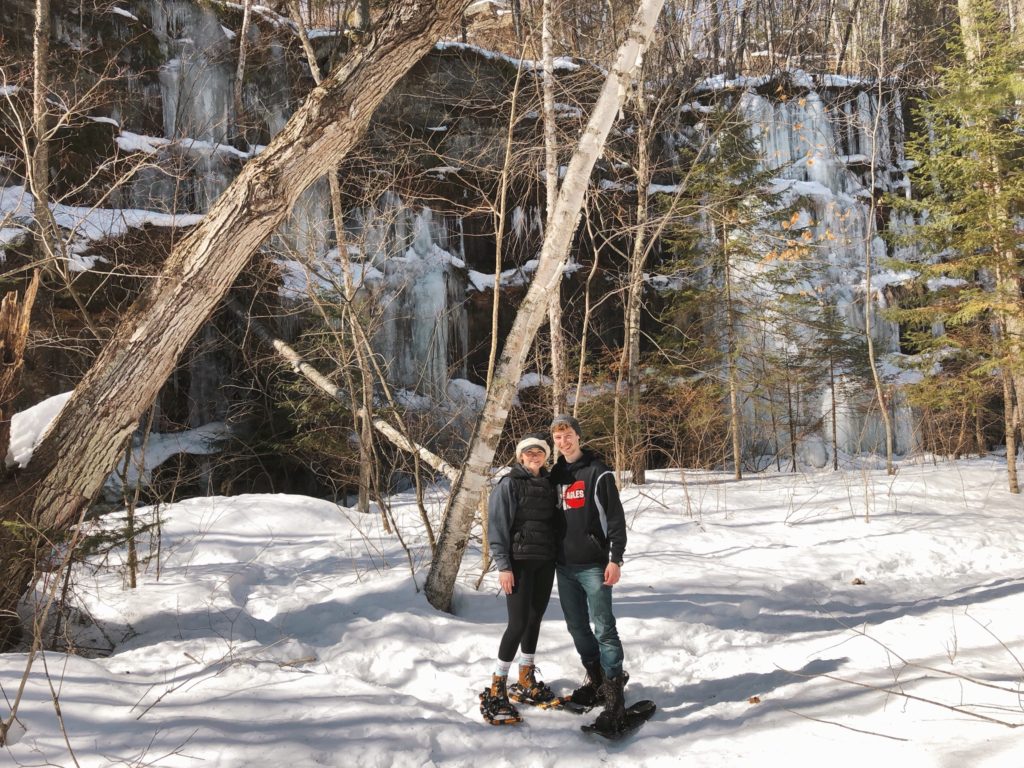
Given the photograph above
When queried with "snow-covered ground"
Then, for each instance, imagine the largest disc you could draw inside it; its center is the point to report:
(847, 619)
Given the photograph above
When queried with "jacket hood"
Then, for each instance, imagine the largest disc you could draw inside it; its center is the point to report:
(586, 459)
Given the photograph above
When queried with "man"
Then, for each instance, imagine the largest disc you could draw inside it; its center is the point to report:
(589, 565)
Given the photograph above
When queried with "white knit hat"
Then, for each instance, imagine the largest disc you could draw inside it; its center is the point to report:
(532, 441)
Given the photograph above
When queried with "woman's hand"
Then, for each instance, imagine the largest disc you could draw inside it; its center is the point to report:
(507, 580)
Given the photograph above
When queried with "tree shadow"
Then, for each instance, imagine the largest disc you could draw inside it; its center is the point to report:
(794, 610)
(689, 699)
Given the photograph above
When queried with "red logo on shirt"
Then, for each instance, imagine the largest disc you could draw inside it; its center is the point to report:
(574, 494)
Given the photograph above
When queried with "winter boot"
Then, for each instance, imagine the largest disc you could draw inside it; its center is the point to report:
(494, 703)
(588, 695)
(528, 689)
(613, 718)
(498, 686)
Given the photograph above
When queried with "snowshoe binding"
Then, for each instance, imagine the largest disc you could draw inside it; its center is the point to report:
(495, 705)
(529, 690)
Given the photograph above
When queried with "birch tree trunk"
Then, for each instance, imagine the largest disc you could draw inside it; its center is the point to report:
(84, 443)
(444, 569)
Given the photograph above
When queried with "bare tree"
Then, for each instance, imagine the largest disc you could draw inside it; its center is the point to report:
(363, 403)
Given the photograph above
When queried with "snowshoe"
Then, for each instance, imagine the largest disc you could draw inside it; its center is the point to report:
(564, 703)
(495, 706)
(636, 715)
(535, 696)
(498, 711)
(529, 690)
(573, 702)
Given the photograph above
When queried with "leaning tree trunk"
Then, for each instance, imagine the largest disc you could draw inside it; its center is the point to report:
(444, 569)
(69, 466)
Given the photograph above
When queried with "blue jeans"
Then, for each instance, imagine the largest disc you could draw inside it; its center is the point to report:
(585, 598)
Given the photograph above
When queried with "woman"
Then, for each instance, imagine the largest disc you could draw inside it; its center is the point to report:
(523, 535)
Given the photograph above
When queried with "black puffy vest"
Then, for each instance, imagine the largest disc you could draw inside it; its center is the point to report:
(534, 527)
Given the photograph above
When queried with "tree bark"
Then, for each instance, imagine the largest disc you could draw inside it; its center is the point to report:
(735, 419)
(39, 162)
(559, 385)
(241, 123)
(14, 324)
(969, 32)
(444, 569)
(69, 466)
(847, 33)
(1015, 10)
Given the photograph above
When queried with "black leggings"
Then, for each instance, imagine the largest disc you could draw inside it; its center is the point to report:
(526, 606)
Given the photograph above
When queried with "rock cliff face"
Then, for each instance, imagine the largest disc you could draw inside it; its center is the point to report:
(154, 128)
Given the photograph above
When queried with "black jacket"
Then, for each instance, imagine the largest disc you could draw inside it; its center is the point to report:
(594, 523)
(522, 518)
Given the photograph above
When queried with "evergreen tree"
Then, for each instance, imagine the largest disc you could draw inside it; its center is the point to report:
(970, 196)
